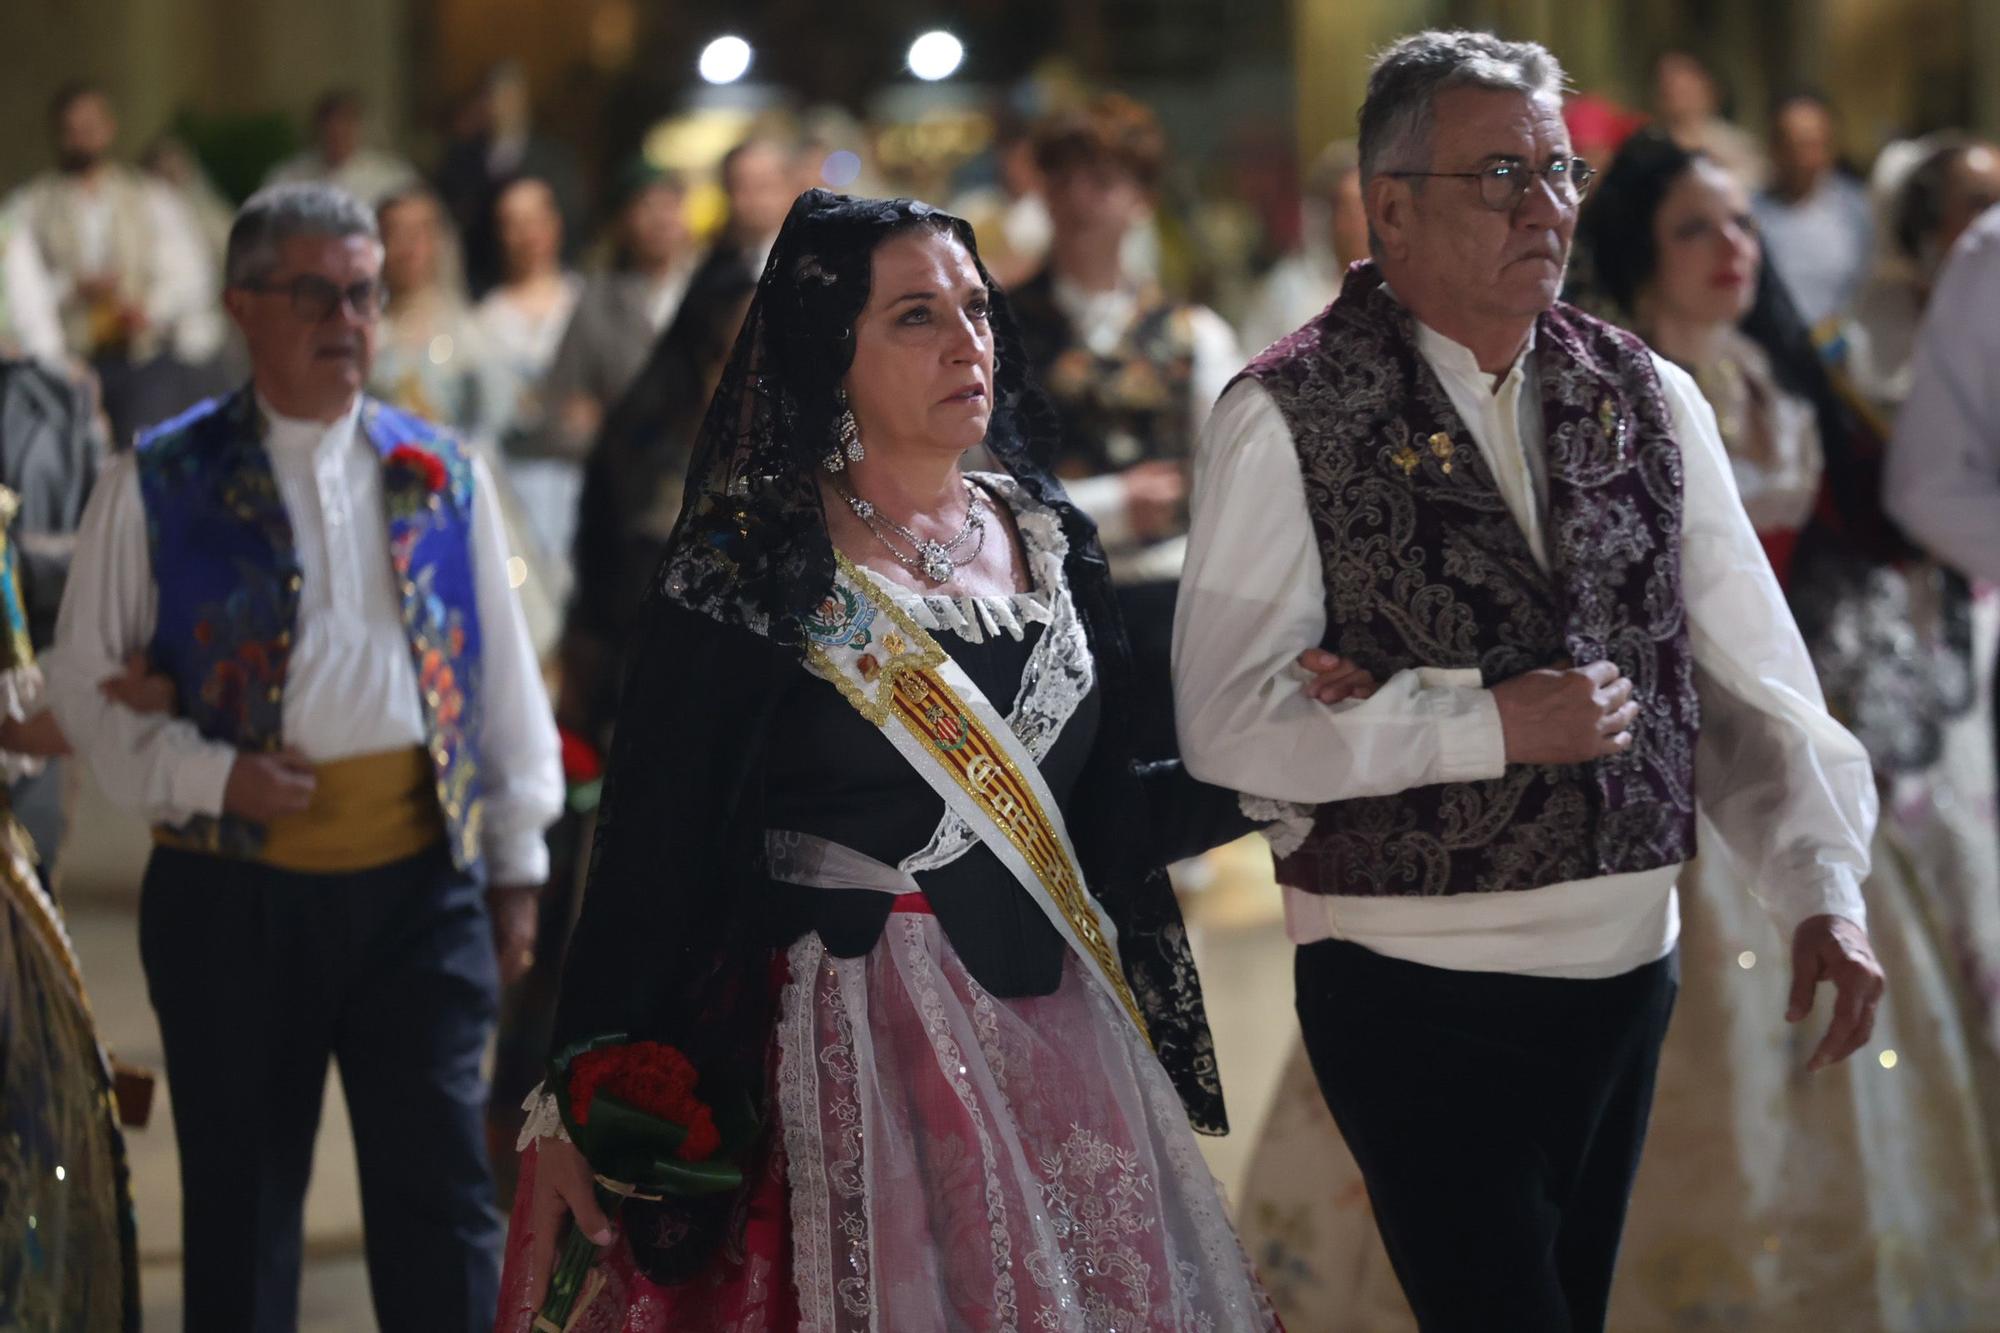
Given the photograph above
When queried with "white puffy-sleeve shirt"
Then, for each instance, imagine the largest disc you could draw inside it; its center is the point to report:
(1787, 788)
(1942, 479)
(350, 688)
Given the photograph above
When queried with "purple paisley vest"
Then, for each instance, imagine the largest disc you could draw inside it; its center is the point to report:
(1425, 567)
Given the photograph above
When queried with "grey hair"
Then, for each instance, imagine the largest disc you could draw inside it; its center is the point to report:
(275, 215)
(1396, 117)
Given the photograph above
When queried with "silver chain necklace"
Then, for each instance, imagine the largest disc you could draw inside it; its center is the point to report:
(933, 560)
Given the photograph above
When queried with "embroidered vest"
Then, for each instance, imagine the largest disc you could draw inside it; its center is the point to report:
(229, 577)
(1117, 410)
(1426, 567)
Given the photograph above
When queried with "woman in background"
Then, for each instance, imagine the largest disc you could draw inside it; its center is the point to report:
(523, 321)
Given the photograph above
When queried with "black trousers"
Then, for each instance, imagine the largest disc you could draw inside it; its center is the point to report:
(258, 977)
(1497, 1120)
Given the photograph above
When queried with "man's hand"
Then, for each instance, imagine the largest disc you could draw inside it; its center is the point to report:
(1154, 493)
(516, 912)
(1566, 715)
(139, 689)
(1334, 678)
(1832, 948)
(262, 787)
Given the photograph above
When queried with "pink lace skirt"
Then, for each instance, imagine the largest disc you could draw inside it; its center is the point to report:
(954, 1161)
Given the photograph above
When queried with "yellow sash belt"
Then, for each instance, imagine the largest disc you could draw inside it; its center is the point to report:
(367, 811)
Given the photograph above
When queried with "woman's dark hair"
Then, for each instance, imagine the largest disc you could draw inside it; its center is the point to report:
(1617, 233)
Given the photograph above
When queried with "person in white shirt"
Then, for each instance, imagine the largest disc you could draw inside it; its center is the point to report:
(1815, 218)
(340, 155)
(364, 746)
(524, 320)
(1522, 525)
(1131, 371)
(132, 280)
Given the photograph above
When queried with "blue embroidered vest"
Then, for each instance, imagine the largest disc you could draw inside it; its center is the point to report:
(228, 575)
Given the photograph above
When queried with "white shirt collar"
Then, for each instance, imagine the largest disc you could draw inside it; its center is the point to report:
(1449, 356)
(283, 434)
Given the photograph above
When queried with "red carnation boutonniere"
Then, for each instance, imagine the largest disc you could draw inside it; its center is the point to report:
(421, 463)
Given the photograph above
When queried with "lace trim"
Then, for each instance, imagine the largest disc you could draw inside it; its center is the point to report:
(1059, 673)
(1287, 824)
(544, 1119)
(20, 699)
(951, 1064)
(1221, 1251)
(805, 1144)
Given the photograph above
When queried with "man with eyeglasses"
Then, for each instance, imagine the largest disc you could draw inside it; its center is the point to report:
(363, 746)
(1514, 528)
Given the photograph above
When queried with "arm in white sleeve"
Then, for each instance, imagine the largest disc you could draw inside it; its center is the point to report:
(1942, 480)
(1217, 358)
(1790, 790)
(154, 765)
(518, 748)
(1252, 599)
(31, 297)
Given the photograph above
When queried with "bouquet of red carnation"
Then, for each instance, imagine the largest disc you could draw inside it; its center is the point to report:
(631, 1110)
(583, 770)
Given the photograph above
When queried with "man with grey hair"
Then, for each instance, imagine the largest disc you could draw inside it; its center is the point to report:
(1515, 529)
(363, 745)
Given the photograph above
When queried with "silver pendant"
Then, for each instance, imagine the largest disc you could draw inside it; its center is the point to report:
(937, 562)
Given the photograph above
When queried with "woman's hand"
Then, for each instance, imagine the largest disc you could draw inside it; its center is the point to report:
(563, 1189)
(1334, 678)
(139, 689)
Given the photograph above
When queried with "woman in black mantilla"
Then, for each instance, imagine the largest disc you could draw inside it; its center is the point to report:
(874, 743)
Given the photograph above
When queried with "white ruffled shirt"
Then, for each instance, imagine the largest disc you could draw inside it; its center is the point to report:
(1787, 788)
(350, 688)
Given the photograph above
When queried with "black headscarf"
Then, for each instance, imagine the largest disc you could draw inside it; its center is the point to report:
(752, 545)
(679, 931)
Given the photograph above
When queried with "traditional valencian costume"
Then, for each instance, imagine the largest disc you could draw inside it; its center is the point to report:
(69, 1261)
(888, 859)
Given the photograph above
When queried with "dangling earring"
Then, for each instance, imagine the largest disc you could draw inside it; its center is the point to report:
(849, 449)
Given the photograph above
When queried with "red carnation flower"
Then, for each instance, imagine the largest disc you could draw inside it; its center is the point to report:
(423, 463)
(649, 1077)
(580, 760)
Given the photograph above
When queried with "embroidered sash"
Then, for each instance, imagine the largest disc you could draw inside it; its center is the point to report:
(900, 679)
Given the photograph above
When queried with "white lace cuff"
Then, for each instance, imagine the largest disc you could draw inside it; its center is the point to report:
(1287, 824)
(21, 697)
(544, 1120)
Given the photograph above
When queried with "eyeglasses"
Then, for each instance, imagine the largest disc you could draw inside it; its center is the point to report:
(1504, 184)
(314, 299)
